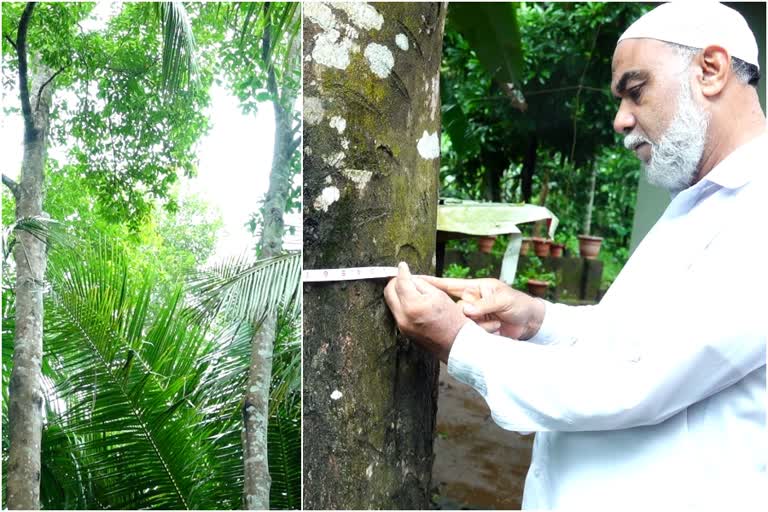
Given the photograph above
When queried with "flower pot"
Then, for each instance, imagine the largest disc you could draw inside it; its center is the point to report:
(537, 288)
(556, 250)
(485, 243)
(589, 246)
(525, 247)
(541, 246)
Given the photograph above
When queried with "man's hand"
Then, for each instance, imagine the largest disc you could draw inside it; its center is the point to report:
(424, 313)
(489, 301)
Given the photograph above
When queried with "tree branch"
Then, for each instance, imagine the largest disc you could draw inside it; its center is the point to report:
(21, 51)
(10, 40)
(40, 91)
(12, 186)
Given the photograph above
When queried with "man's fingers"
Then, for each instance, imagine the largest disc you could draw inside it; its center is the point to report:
(404, 285)
(450, 285)
(491, 326)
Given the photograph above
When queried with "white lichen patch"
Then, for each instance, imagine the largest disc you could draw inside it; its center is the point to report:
(328, 180)
(327, 197)
(336, 394)
(401, 40)
(345, 143)
(339, 123)
(330, 51)
(334, 160)
(361, 14)
(313, 110)
(253, 389)
(369, 471)
(359, 177)
(320, 14)
(429, 146)
(380, 59)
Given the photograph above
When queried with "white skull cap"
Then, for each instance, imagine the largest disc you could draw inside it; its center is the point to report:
(698, 25)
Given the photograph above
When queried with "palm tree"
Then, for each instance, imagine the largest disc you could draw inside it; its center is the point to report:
(144, 392)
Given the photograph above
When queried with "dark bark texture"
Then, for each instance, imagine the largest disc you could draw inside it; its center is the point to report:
(371, 162)
(26, 399)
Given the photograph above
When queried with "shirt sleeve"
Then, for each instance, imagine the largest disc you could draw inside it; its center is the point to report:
(673, 361)
(563, 324)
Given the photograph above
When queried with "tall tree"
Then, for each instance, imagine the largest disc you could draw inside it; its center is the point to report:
(25, 393)
(371, 161)
(58, 51)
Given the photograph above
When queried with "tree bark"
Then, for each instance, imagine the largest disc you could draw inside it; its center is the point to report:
(25, 412)
(371, 162)
(257, 481)
(529, 168)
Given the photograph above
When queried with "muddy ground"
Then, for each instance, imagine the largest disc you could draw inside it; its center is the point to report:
(478, 465)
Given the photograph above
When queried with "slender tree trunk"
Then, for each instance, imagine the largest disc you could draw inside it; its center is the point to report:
(591, 203)
(371, 162)
(529, 168)
(257, 481)
(26, 399)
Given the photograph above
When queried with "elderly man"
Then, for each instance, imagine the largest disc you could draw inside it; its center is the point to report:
(656, 396)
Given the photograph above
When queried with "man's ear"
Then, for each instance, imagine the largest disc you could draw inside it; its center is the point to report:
(715, 64)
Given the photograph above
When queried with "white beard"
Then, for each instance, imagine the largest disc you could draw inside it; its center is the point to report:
(675, 159)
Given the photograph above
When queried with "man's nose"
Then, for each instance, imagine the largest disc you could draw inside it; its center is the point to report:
(625, 121)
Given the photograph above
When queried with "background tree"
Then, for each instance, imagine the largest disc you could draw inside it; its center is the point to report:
(128, 103)
(260, 57)
(371, 127)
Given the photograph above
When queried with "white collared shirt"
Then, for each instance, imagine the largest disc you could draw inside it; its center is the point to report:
(657, 396)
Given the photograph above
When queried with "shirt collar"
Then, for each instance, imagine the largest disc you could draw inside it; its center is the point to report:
(739, 168)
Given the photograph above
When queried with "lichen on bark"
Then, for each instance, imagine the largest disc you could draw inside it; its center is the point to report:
(369, 394)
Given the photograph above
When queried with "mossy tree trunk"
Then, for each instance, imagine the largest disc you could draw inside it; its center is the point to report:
(26, 399)
(371, 162)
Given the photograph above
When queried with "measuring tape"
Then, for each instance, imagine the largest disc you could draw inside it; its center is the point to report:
(347, 274)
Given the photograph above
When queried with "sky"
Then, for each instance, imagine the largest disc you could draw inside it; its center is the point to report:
(235, 160)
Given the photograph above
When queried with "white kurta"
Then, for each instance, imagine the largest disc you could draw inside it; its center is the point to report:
(657, 396)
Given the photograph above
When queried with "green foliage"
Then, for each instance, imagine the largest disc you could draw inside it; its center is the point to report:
(456, 270)
(487, 143)
(534, 270)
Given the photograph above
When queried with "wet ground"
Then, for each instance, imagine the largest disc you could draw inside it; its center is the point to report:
(478, 465)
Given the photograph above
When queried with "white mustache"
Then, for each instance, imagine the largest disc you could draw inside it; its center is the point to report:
(631, 141)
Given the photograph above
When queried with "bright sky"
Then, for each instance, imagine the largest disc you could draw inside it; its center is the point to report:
(235, 160)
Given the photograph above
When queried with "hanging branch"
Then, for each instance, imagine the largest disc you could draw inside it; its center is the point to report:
(40, 90)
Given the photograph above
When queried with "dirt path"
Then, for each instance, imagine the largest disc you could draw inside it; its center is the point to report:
(477, 465)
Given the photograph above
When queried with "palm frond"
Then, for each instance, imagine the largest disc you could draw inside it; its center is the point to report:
(125, 381)
(249, 290)
(284, 447)
(179, 67)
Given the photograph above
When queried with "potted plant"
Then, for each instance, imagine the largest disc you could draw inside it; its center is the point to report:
(485, 243)
(589, 246)
(535, 278)
(525, 246)
(556, 250)
(541, 246)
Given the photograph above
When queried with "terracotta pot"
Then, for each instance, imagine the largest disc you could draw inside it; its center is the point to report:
(485, 243)
(525, 247)
(589, 246)
(541, 246)
(537, 288)
(556, 250)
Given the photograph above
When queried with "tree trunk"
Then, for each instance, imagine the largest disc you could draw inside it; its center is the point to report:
(591, 203)
(371, 162)
(529, 168)
(257, 480)
(25, 412)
